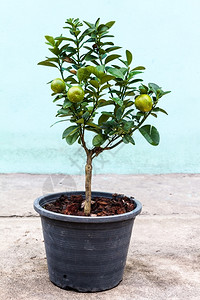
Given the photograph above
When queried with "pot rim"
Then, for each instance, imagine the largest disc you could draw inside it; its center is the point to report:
(42, 200)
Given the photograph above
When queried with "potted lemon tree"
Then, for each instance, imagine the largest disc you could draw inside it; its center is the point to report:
(103, 102)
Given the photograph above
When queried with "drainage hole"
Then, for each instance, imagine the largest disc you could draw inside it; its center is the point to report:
(65, 276)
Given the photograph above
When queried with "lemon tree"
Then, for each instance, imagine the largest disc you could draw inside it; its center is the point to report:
(99, 91)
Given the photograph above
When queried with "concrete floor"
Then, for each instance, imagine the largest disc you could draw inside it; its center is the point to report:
(164, 255)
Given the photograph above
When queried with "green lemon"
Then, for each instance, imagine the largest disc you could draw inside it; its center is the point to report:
(58, 85)
(75, 94)
(144, 103)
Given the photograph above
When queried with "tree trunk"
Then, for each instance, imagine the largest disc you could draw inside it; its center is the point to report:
(88, 179)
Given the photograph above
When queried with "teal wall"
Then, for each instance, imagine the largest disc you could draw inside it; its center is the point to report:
(164, 36)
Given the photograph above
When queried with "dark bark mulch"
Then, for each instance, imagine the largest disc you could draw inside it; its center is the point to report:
(101, 206)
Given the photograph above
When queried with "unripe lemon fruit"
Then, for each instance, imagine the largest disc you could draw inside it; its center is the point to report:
(75, 94)
(58, 85)
(144, 103)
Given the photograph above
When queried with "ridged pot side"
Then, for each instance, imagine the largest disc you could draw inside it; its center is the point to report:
(87, 254)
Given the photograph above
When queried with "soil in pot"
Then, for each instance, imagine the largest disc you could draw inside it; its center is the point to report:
(100, 206)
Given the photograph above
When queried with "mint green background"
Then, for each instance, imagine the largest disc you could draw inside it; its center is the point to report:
(164, 36)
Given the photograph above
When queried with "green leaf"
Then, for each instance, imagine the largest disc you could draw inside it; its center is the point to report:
(167, 92)
(86, 115)
(102, 119)
(62, 38)
(72, 50)
(118, 101)
(125, 140)
(91, 69)
(131, 140)
(128, 139)
(71, 80)
(58, 97)
(102, 28)
(50, 39)
(97, 22)
(110, 24)
(143, 89)
(138, 68)
(134, 81)
(94, 83)
(98, 140)
(93, 125)
(161, 110)
(112, 48)
(80, 121)
(55, 51)
(154, 87)
(59, 122)
(69, 131)
(119, 113)
(47, 63)
(96, 71)
(130, 93)
(107, 113)
(128, 112)
(124, 62)
(83, 74)
(71, 139)
(129, 57)
(90, 57)
(90, 90)
(140, 114)
(116, 72)
(154, 115)
(129, 103)
(128, 125)
(107, 35)
(105, 87)
(111, 57)
(151, 134)
(63, 111)
(161, 93)
(64, 48)
(133, 73)
(107, 43)
(103, 102)
(93, 129)
(88, 48)
(100, 69)
(106, 78)
(89, 24)
(54, 59)
(67, 104)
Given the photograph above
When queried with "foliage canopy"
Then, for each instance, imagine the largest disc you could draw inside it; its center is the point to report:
(87, 60)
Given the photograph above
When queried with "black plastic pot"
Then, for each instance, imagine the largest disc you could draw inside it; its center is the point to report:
(87, 254)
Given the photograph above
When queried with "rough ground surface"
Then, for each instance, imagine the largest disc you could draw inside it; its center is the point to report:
(164, 254)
